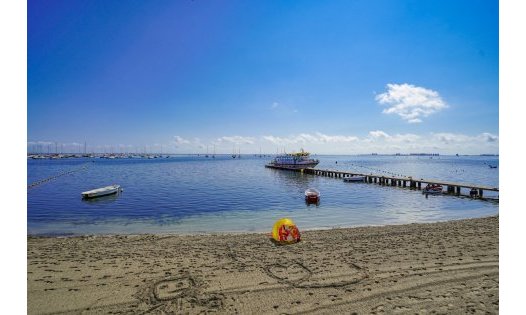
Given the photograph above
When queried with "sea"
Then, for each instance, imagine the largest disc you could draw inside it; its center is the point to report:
(190, 194)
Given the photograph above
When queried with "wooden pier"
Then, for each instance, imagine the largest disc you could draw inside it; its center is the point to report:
(403, 182)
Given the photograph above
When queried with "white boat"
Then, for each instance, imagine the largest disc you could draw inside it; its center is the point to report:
(300, 159)
(108, 190)
(312, 195)
(354, 179)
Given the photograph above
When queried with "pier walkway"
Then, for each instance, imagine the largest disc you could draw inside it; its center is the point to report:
(404, 182)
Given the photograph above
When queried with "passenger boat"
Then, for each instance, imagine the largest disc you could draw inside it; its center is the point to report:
(354, 179)
(104, 191)
(312, 195)
(295, 160)
(432, 189)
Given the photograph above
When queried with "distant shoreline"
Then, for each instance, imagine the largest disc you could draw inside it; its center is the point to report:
(36, 155)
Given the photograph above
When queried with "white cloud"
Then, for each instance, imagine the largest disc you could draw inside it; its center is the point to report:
(410, 102)
(408, 138)
(450, 138)
(40, 143)
(315, 142)
(274, 140)
(488, 137)
(274, 105)
(461, 140)
(305, 138)
(335, 139)
(382, 142)
(379, 134)
(236, 140)
(180, 140)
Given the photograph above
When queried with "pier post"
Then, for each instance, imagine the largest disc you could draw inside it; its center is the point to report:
(480, 193)
(458, 190)
(419, 185)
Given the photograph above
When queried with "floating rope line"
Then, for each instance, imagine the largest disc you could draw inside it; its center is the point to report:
(45, 180)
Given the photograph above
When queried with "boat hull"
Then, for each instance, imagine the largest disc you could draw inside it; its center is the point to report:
(105, 191)
(432, 191)
(296, 165)
(312, 199)
(354, 179)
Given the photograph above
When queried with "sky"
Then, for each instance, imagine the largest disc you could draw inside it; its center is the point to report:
(332, 77)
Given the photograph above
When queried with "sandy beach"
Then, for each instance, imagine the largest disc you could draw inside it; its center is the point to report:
(448, 267)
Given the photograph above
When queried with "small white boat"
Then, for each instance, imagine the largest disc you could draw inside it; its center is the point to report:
(312, 195)
(104, 191)
(354, 179)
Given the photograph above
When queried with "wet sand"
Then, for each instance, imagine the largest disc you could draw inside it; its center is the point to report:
(448, 267)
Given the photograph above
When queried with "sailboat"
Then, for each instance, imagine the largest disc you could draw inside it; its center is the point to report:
(234, 152)
(214, 155)
(206, 151)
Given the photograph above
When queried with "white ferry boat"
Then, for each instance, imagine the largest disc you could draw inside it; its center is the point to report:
(300, 159)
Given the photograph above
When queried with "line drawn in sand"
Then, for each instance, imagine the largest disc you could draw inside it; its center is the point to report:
(180, 293)
(298, 275)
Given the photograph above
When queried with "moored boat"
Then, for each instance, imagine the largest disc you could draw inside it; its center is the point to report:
(432, 189)
(312, 195)
(104, 191)
(354, 179)
(295, 160)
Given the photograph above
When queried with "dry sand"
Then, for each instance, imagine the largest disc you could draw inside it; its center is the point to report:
(450, 268)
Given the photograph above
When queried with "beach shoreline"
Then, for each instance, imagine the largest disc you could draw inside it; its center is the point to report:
(448, 267)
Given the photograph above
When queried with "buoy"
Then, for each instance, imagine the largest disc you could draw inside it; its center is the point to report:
(285, 231)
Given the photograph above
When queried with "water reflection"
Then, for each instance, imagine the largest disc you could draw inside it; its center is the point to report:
(314, 203)
(103, 199)
(296, 180)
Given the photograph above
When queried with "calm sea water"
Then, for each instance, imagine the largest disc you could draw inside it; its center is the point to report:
(191, 194)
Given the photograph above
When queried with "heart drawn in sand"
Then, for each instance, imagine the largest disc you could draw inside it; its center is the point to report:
(293, 272)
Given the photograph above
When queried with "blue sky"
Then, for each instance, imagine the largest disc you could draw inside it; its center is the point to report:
(339, 77)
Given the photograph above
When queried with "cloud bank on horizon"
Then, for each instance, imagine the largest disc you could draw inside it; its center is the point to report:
(376, 141)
